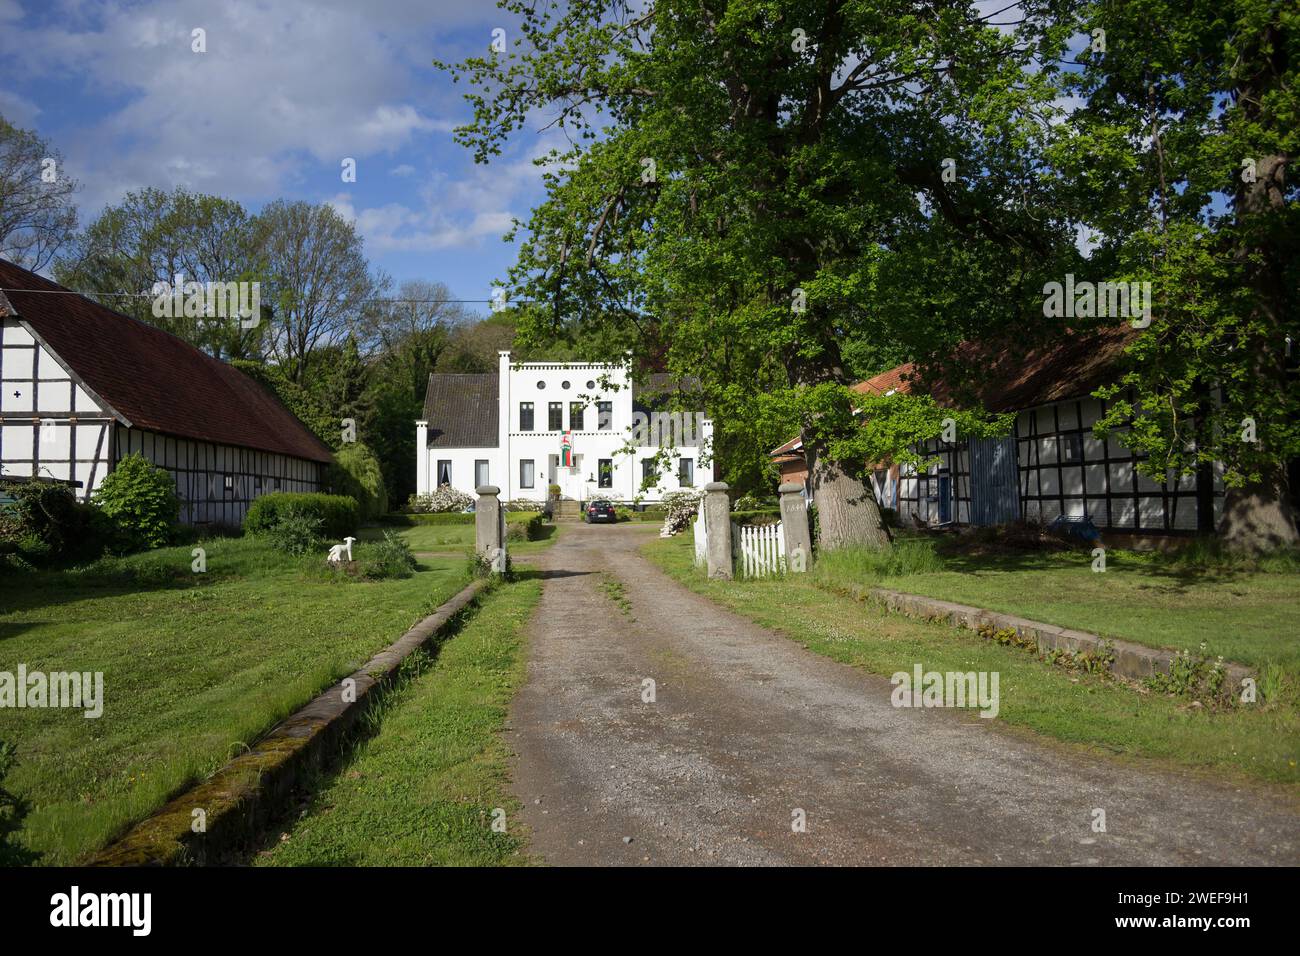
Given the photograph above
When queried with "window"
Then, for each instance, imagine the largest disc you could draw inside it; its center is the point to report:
(605, 473)
(591, 383)
(1071, 448)
(480, 473)
(686, 472)
(541, 384)
(576, 415)
(555, 416)
(525, 416)
(564, 385)
(604, 415)
(648, 475)
(526, 473)
(444, 472)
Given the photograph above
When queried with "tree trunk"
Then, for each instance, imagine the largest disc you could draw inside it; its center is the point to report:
(1259, 517)
(847, 513)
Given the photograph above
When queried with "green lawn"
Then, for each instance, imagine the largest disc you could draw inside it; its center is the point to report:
(1252, 617)
(453, 537)
(1260, 741)
(195, 667)
(422, 789)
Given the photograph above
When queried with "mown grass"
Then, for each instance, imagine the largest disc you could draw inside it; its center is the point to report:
(423, 788)
(448, 538)
(1248, 613)
(1260, 741)
(196, 666)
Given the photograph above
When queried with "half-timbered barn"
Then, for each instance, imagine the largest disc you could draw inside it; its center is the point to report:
(1050, 464)
(82, 386)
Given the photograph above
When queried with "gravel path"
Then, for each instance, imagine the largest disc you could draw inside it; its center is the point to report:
(747, 728)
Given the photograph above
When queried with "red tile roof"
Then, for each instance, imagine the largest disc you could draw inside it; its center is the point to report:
(1014, 378)
(153, 379)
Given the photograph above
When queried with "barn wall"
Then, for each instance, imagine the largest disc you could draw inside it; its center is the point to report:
(49, 425)
(216, 483)
(1062, 469)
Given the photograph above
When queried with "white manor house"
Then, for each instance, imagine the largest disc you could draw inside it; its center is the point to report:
(584, 427)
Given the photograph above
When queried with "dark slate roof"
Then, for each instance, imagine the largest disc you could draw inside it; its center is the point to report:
(151, 378)
(461, 410)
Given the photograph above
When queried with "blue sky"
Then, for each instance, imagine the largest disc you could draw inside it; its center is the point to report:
(286, 90)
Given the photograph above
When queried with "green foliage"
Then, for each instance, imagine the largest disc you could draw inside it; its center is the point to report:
(1178, 160)
(47, 524)
(1196, 676)
(296, 532)
(140, 501)
(356, 473)
(795, 227)
(150, 237)
(338, 514)
(305, 406)
(389, 558)
(12, 811)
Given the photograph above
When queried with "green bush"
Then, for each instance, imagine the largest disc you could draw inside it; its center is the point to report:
(390, 558)
(338, 514)
(46, 524)
(763, 516)
(356, 473)
(296, 533)
(140, 500)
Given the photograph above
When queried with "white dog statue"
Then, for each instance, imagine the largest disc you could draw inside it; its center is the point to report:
(339, 550)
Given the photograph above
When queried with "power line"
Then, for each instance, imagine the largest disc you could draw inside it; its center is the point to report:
(152, 295)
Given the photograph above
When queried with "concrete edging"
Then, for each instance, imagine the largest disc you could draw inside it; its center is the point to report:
(239, 798)
(1134, 661)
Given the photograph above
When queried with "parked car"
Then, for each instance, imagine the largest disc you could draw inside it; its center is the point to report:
(599, 511)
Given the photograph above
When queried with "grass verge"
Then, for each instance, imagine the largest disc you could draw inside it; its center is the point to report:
(1247, 615)
(1260, 741)
(422, 789)
(196, 666)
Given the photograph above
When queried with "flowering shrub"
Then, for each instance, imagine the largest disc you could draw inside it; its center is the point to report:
(524, 504)
(680, 509)
(443, 499)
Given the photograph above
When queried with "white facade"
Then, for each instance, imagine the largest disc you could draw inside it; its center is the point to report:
(602, 429)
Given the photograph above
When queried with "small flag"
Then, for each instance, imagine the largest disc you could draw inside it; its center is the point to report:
(566, 449)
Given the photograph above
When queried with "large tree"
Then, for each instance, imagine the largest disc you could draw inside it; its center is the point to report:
(1180, 160)
(319, 276)
(37, 215)
(154, 236)
(755, 183)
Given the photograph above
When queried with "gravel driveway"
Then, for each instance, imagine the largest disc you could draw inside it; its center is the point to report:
(747, 729)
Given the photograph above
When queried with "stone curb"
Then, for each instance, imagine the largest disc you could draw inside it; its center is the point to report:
(1134, 661)
(238, 799)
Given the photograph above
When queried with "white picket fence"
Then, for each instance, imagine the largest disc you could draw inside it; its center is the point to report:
(758, 550)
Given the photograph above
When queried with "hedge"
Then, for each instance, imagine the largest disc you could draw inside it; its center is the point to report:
(411, 520)
(339, 514)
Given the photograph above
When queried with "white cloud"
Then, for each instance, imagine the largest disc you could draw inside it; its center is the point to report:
(280, 84)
